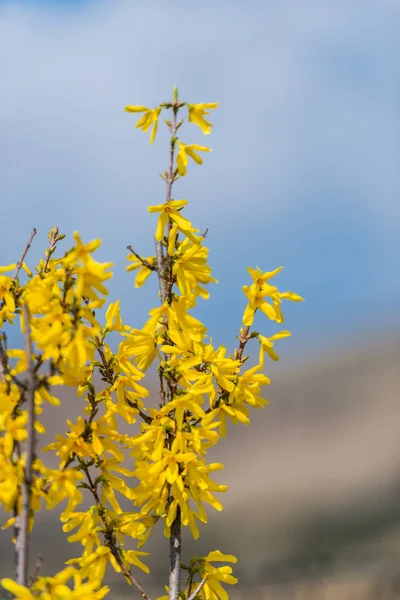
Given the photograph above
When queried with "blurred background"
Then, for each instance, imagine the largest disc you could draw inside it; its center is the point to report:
(304, 173)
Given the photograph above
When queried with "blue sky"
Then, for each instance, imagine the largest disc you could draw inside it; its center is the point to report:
(306, 146)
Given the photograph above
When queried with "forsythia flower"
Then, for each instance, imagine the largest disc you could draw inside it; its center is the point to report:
(191, 269)
(141, 346)
(113, 318)
(149, 118)
(186, 150)
(170, 211)
(197, 112)
(143, 272)
(259, 290)
(214, 577)
(7, 302)
(267, 345)
(55, 588)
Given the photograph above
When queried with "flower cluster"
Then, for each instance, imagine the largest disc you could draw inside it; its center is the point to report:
(163, 470)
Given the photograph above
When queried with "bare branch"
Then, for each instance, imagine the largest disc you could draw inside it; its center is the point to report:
(197, 590)
(144, 262)
(26, 486)
(175, 544)
(21, 260)
(164, 267)
(160, 270)
(142, 415)
(38, 566)
(53, 239)
(244, 338)
(3, 359)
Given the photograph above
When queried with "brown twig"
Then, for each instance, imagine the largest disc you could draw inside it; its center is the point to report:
(164, 275)
(243, 339)
(197, 590)
(3, 358)
(164, 269)
(142, 415)
(53, 239)
(175, 544)
(26, 486)
(144, 262)
(21, 260)
(38, 566)
(160, 259)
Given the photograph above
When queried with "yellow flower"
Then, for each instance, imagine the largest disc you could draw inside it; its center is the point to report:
(140, 345)
(267, 345)
(186, 150)
(89, 528)
(170, 210)
(131, 556)
(259, 290)
(149, 118)
(15, 429)
(5, 294)
(248, 387)
(55, 588)
(20, 591)
(8, 268)
(94, 566)
(215, 576)
(113, 318)
(72, 444)
(143, 272)
(197, 113)
(89, 276)
(182, 404)
(7, 302)
(191, 269)
(81, 251)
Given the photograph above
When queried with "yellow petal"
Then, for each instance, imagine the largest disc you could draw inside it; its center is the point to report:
(130, 108)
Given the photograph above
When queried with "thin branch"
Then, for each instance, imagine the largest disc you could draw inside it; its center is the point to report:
(38, 566)
(3, 358)
(160, 259)
(175, 544)
(244, 338)
(25, 252)
(26, 486)
(197, 590)
(142, 415)
(164, 275)
(53, 239)
(144, 262)
(162, 268)
(162, 389)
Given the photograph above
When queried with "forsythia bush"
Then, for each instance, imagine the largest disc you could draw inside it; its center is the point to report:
(168, 479)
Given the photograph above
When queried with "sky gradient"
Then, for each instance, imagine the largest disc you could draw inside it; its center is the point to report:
(306, 147)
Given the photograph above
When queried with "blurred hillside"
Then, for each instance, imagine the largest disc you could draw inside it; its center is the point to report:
(314, 482)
